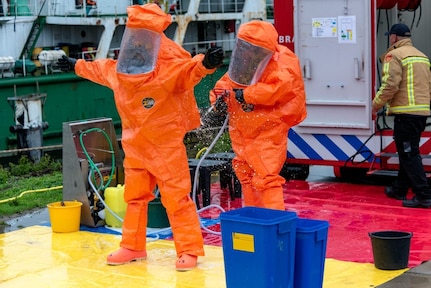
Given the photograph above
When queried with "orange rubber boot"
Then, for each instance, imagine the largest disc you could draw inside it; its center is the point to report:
(186, 262)
(123, 256)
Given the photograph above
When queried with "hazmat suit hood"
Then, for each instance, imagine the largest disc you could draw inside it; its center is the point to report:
(255, 46)
(140, 44)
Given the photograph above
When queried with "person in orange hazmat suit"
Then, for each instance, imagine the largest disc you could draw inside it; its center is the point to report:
(264, 96)
(153, 81)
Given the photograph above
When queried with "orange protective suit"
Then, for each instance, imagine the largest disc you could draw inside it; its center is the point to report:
(157, 109)
(259, 137)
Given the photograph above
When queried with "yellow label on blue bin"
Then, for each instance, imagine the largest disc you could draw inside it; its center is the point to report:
(243, 242)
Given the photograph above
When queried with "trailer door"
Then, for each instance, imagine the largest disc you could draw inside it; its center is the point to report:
(333, 40)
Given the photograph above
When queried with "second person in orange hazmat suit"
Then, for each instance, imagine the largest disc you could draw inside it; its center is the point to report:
(153, 81)
(264, 94)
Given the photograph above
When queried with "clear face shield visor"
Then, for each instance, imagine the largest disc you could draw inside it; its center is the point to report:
(248, 62)
(138, 52)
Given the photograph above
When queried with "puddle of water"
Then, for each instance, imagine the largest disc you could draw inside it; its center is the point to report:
(39, 217)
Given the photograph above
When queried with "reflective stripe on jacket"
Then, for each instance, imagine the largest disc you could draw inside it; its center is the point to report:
(406, 81)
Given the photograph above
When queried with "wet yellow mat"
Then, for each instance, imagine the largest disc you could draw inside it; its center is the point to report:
(37, 257)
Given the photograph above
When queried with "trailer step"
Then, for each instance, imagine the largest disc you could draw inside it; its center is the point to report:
(388, 155)
(391, 173)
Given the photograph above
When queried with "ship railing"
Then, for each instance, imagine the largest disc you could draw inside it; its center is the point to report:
(63, 7)
(221, 6)
(206, 6)
(90, 53)
(84, 8)
(202, 46)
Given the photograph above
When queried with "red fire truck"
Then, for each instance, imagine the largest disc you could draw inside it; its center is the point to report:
(339, 43)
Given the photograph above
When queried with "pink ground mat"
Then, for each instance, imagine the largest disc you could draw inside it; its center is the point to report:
(353, 211)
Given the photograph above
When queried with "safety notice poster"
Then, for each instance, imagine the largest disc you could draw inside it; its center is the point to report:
(324, 27)
(347, 29)
(343, 27)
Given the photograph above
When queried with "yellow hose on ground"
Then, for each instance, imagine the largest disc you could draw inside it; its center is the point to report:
(30, 191)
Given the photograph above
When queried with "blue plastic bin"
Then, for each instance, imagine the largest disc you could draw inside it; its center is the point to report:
(258, 247)
(310, 254)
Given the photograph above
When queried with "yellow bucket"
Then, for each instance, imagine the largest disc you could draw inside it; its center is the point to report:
(65, 216)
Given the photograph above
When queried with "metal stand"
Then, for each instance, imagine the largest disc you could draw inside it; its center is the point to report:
(85, 143)
(29, 125)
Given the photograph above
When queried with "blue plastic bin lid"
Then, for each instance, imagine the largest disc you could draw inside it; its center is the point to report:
(310, 225)
(257, 215)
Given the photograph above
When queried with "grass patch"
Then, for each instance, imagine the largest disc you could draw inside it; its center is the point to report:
(29, 194)
(26, 186)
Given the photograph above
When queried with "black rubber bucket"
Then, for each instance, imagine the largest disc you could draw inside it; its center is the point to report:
(391, 249)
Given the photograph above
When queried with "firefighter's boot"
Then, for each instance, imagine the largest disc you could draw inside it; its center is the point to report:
(393, 193)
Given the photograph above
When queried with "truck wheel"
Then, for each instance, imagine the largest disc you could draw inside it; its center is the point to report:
(295, 171)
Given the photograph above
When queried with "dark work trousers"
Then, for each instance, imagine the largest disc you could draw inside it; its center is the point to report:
(407, 133)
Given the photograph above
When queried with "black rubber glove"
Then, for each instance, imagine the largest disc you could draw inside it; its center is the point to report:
(66, 63)
(213, 58)
(239, 95)
(220, 106)
(247, 107)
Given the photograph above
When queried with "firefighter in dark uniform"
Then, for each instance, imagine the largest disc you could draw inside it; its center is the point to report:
(405, 90)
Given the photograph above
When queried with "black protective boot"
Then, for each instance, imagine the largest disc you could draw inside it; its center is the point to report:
(389, 191)
(417, 203)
